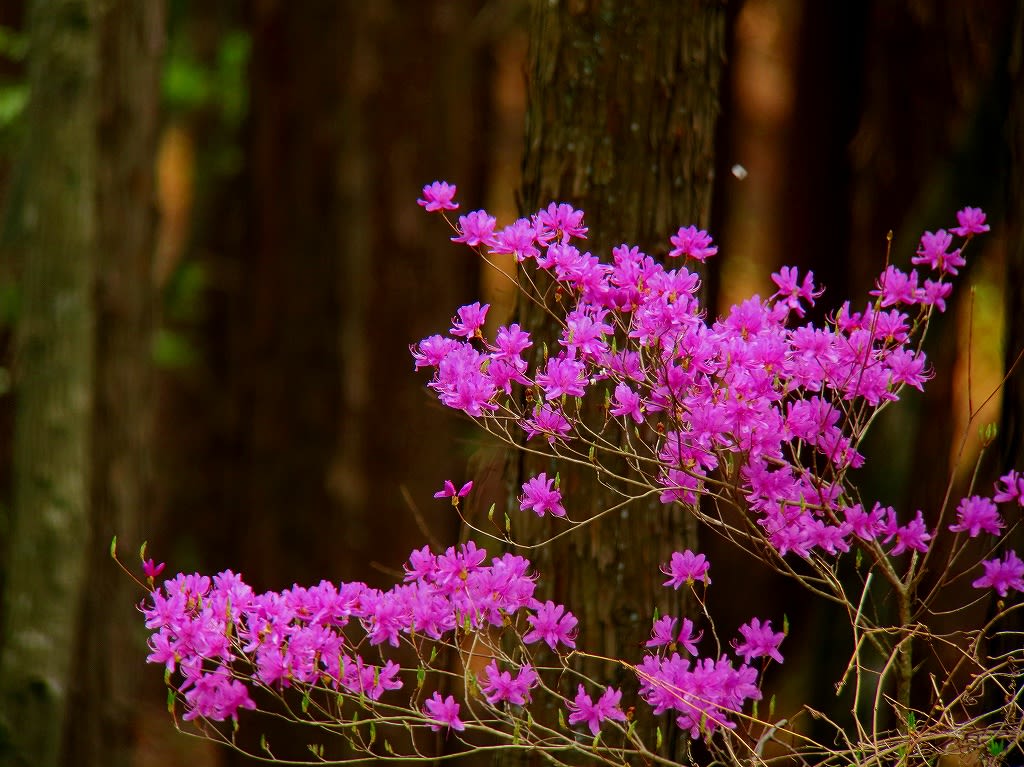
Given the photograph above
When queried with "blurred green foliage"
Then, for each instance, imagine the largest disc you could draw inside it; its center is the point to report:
(190, 84)
(13, 89)
(205, 85)
(173, 347)
(172, 351)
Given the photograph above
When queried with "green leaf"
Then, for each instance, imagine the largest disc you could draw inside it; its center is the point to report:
(142, 551)
(263, 743)
(658, 738)
(113, 548)
(421, 675)
(490, 512)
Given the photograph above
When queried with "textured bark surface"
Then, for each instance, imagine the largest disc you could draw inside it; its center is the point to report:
(55, 387)
(109, 659)
(623, 99)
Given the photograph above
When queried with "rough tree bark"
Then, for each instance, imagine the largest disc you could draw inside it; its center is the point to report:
(623, 99)
(53, 428)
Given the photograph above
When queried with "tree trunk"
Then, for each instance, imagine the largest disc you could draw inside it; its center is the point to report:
(296, 435)
(1008, 452)
(623, 100)
(53, 431)
(109, 659)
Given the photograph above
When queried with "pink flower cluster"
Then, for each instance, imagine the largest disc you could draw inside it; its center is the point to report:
(705, 691)
(768, 395)
(222, 638)
(772, 405)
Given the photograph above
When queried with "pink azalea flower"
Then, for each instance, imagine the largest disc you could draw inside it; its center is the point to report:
(934, 251)
(1010, 487)
(539, 496)
(1002, 574)
(972, 221)
(759, 641)
(583, 709)
(444, 712)
(975, 515)
(449, 491)
(475, 229)
(469, 320)
(498, 686)
(552, 624)
(438, 196)
(686, 567)
(692, 242)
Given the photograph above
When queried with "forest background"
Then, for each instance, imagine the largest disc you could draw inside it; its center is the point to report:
(212, 266)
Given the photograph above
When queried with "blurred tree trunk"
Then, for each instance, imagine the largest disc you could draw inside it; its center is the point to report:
(53, 431)
(1011, 430)
(109, 659)
(929, 142)
(293, 437)
(623, 102)
(307, 418)
(1008, 452)
(69, 655)
(417, 106)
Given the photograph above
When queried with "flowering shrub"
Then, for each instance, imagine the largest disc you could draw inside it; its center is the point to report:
(753, 422)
